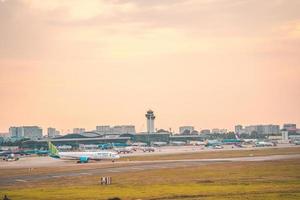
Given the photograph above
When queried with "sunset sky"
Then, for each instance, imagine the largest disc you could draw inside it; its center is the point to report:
(207, 63)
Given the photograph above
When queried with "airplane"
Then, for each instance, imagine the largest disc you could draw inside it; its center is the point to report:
(119, 144)
(264, 144)
(139, 144)
(217, 147)
(231, 141)
(34, 151)
(159, 144)
(178, 143)
(124, 150)
(106, 146)
(148, 149)
(212, 143)
(197, 143)
(112, 145)
(237, 136)
(82, 157)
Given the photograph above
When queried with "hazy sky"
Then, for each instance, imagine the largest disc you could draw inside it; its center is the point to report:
(207, 63)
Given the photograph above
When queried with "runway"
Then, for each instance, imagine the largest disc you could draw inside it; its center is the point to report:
(132, 166)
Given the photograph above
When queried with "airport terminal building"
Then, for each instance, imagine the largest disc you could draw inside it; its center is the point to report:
(93, 138)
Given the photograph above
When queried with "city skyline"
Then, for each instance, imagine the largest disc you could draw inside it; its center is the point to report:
(108, 128)
(209, 64)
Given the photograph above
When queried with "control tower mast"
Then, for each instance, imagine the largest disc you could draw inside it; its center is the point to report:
(150, 121)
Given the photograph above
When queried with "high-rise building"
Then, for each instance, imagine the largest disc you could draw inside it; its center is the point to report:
(218, 130)
(78, 130)
(223, 131)
(263, 129)
(104, 129)
(291, 128)
(186, 129)
(150, 121)
(120, 129)
(31, 132)
(215, 130)
(52, 132)
(205, 131)
(13, 132)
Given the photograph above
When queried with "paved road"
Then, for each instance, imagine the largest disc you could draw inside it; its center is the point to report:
(136, 166)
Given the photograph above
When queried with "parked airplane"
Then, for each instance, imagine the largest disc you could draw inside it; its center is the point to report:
(111, 145)
(148, 149)
(231, 141)
(139, 144)
(159, 144)
(212, 143)
(264, 144)
(197, 143)
(124, 150)
(82, 157)
(177, 143)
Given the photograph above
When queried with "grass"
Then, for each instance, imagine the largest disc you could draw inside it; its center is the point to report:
(239, 180)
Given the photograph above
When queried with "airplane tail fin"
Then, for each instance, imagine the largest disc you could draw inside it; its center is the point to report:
(53, 151)
(237, 136)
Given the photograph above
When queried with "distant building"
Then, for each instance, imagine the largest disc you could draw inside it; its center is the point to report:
(205, 131)
(16, 132)
(123, 129)
(31, 132)
(104, 129)
(118, 129)
(78, 130)
(52, 132)
(223, 131)
(217, 130)
(263, 129)
(186, 129)
(4, 135)
(291, 128)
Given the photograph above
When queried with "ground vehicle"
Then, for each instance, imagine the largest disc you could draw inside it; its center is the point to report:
(11, 157)
(148, 149)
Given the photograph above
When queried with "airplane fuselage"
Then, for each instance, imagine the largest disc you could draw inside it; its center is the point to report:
(89, 155)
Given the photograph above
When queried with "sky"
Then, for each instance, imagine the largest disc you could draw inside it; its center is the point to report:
(206, 63)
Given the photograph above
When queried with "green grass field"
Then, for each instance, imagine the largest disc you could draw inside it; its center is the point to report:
(240, 180)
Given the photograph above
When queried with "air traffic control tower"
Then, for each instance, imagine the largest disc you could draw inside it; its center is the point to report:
(150, 121)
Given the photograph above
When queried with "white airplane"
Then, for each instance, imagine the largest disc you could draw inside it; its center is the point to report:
(159, 144)
(197, 143)
(264, 144)
(178, 143)
(139, 144)
(82, 157)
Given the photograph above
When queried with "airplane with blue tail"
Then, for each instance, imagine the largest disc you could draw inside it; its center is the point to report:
(82, 157)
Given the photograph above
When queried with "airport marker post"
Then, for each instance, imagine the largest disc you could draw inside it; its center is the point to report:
(105, 180)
